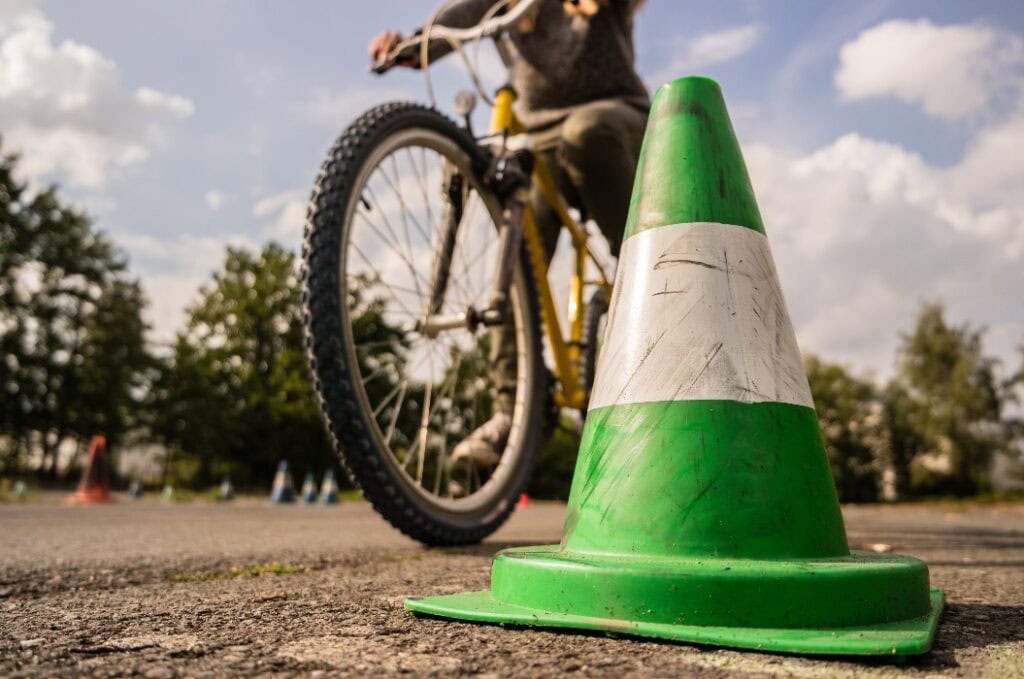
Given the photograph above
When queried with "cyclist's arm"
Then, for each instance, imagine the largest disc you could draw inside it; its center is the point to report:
(461, 14)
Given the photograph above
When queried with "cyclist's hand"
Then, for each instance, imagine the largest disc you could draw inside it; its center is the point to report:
(381, 46)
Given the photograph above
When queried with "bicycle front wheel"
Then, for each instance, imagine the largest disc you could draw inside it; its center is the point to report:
(395, 399)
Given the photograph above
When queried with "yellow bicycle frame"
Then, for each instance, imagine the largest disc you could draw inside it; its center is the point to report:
(567, 353)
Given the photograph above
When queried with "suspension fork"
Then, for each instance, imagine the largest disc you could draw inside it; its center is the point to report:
(510, 236)
(453, 189)
(518, 226)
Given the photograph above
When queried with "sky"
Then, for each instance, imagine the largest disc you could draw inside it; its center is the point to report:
(885, 139)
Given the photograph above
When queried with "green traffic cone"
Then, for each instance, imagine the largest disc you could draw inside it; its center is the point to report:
(702, 508)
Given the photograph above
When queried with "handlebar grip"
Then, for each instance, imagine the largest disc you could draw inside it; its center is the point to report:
(403, 52)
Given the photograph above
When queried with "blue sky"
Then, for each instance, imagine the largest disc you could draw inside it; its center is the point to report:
(872, 130)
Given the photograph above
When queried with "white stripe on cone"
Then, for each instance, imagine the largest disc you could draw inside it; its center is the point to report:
(698, 313)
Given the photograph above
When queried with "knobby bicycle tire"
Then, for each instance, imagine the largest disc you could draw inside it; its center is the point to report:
(336, 380)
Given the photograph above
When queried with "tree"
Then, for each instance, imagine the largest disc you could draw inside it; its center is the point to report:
(70, 327)
(235, 396)
(114, 362)
(946, 406)
(851, 420)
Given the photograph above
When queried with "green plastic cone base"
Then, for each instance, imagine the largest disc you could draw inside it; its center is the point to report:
(864, 604)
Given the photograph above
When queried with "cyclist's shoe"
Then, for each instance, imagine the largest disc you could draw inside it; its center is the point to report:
(483, 447)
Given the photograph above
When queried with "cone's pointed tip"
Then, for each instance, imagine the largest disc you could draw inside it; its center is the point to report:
(691, 81)
(691, 168)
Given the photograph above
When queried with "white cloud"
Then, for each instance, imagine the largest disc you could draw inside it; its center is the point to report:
(950, 71)
(863, 231)
(215, 199)
(64, 108)
(284, 214)
(710, 49)
(173, 270)
(12, 10)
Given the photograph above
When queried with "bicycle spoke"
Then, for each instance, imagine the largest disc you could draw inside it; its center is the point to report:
(380, 407)
(387, 399)
(386, 285)
(401, 201)
(394, 241)
(423, 432)
(377, 371)
(429, 414)
(430, 212)
(442, 462)
(395, 414)
(480, 260)
(406, 257)
(471, 263)
(465, 227)
(422, 182)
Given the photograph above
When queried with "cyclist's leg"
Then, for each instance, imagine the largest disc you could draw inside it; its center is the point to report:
(600, 145)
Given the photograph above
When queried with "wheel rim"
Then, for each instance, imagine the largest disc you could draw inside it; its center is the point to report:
(425, 394)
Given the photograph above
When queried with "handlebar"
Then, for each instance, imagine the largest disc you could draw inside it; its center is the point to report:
(492, 27)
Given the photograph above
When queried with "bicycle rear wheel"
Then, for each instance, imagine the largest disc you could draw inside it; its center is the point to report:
(396, 401)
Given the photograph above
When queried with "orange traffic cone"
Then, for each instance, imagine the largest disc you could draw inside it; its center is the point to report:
(94, 488)
(524, 501)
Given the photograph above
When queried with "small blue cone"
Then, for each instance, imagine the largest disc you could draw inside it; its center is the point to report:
(283, 490)
(329, 489)
(135, 489)
(226, 491)
(309, 489)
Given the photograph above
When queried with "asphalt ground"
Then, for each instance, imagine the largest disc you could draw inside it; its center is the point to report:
(140, 588)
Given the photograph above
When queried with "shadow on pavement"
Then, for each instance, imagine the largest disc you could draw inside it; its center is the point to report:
(487, 548)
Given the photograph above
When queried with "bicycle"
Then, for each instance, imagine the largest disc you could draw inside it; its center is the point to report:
(401, 310)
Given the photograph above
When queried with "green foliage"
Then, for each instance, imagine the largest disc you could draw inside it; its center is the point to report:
(556, 462)
(851, 422)
(947, 403)
(235, 395)
(71, 328)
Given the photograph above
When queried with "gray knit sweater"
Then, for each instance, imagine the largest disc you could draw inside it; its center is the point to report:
(564, 60)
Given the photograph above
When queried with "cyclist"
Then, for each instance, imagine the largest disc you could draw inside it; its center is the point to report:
(586, 108)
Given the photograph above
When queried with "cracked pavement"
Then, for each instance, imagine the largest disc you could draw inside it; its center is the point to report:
(147, 589)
